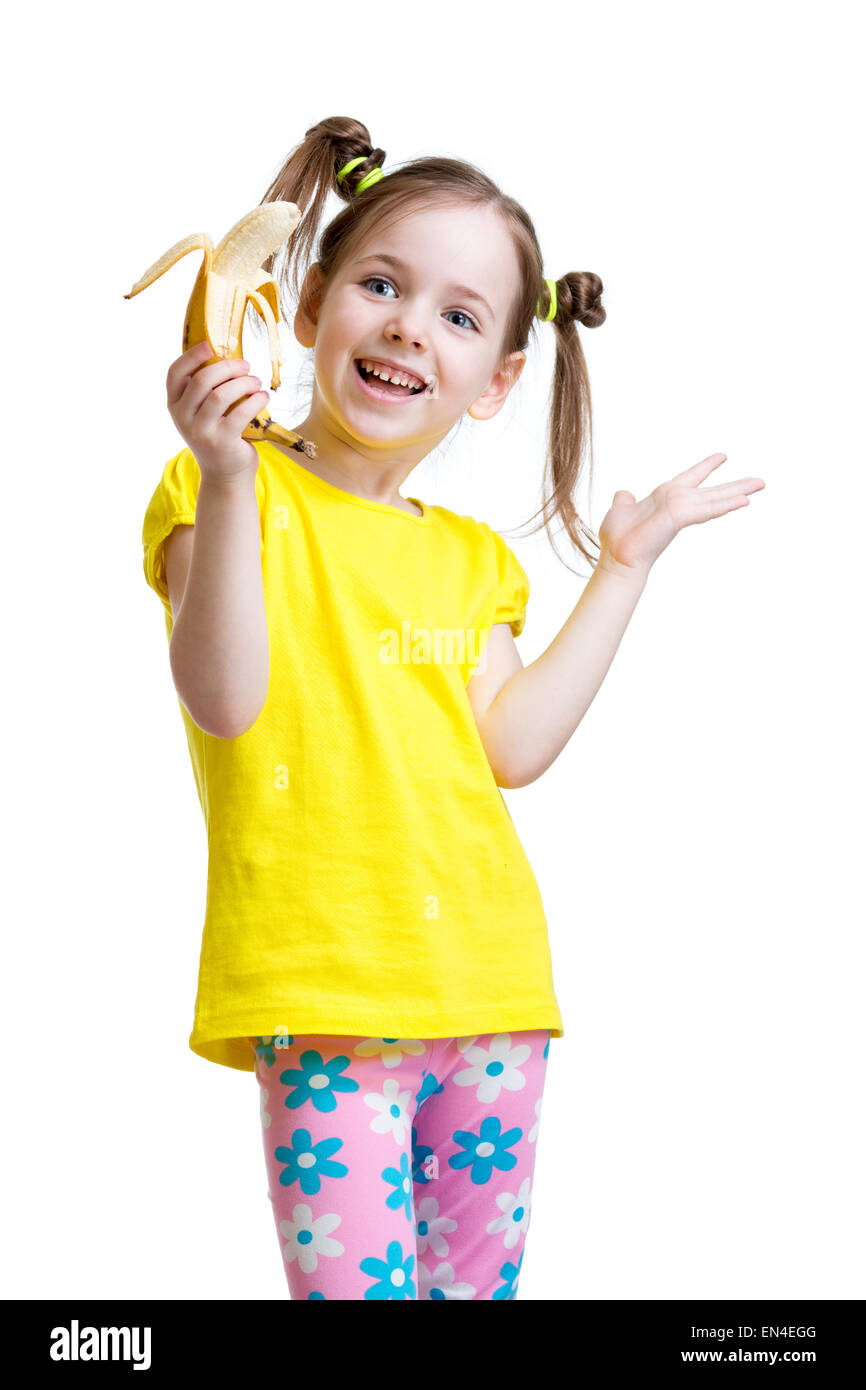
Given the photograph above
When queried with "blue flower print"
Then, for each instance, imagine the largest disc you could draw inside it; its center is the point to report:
(420, 1154)
(429, 1087)
(401, 1179)
(315, 1294)
(547, 1044)
(265, 1047)
(511, 1274)
(392, 1273)
(487, 1150)
(316, 1081)
(307, 1163)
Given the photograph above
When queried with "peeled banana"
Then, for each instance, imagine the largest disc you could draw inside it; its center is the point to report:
(229, 278)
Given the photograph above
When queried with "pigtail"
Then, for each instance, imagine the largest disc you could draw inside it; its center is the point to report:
(569, 447)
(307, 176)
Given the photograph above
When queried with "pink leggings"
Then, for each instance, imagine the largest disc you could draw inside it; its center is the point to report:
(398, 1167)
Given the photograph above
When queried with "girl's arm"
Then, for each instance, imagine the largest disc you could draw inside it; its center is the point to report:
(218, 650)
(526, 716)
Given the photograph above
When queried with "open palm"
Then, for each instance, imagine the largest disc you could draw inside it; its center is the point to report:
(634, 534)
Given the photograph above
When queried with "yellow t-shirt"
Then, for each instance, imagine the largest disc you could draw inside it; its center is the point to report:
(364, 873)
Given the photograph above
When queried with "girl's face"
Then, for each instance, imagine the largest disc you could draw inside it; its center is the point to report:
(430, 294)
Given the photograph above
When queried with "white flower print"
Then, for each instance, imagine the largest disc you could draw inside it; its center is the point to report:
(442, 1280)
(392, 1105)
(391, 1050)
(463, 1044)
(533, 1133)
(494, 1067)
(263, 1110)
(434, 1227)
(515, 1214)
(308, 1238)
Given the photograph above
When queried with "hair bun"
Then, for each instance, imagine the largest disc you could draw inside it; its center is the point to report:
(579, 294)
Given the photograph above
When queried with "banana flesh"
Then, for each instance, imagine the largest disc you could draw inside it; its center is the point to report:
(230, 277)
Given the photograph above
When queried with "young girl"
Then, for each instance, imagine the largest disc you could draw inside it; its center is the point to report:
(374, 944)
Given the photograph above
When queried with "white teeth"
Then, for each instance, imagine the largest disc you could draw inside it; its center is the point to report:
(384, 373)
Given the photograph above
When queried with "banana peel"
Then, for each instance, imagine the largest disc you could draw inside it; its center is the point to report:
(230, 277)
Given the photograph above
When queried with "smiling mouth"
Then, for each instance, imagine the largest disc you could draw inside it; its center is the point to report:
(384, 389)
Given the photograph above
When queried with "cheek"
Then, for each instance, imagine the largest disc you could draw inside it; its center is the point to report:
(350, 317)
(334, 343)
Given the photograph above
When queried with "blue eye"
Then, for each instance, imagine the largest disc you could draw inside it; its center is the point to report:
(375, 280)
(471, 321)
(381, 280)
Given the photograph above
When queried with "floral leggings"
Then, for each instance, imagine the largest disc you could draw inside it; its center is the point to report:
(401, 1167)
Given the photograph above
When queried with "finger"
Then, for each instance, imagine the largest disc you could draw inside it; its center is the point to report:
(708, 511)
(696, 474)
(734, 489)
(247, 408)
(218, 400)
(180, 371)
(214, 377)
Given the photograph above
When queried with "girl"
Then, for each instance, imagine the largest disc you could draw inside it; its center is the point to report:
(354, 701)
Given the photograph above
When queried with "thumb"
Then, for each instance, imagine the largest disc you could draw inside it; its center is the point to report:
(623, 496)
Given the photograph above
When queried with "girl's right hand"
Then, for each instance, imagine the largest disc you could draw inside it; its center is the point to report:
(198, 396)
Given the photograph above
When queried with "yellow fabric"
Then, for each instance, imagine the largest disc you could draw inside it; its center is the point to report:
(364, 873)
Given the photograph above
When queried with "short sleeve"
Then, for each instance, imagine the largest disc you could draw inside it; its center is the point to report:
(172, 504)
(512, 592)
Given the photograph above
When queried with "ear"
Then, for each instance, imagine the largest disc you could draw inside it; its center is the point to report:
(306, 315)
(492, 399)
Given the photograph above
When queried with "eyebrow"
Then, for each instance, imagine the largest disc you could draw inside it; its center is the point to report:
(465, 290)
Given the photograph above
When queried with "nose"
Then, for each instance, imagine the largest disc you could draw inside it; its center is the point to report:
(404, 332)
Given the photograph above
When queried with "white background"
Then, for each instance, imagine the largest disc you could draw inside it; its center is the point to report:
(695, 843)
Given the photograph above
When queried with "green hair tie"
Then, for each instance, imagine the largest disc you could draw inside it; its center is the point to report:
(551, 313)
(373, 177)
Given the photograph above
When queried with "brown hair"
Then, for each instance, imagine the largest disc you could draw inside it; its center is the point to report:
(309, 173)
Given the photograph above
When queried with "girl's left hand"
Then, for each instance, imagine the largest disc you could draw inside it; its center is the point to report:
(634, 534)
